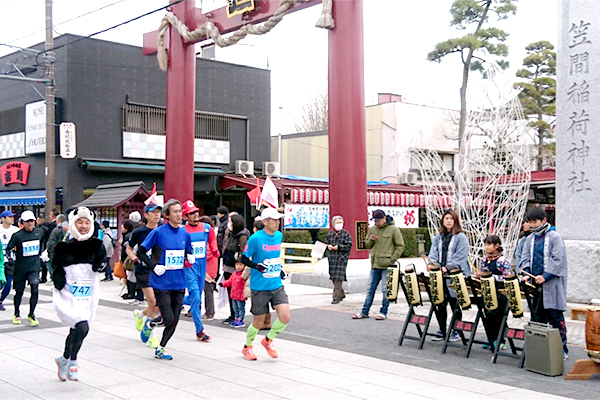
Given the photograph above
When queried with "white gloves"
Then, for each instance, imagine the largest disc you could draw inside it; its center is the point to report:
(191, 259)
(159, 270)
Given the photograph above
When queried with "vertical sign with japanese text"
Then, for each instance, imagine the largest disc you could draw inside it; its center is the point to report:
(68, 148)
(578, 114)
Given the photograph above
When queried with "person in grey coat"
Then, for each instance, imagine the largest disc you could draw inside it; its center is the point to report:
(449, 249)
(544, 256)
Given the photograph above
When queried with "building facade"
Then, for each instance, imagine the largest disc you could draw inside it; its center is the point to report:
(115, 96)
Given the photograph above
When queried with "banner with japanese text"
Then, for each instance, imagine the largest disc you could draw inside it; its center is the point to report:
(316, 216)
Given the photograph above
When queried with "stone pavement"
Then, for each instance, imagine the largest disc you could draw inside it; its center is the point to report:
(114, 364)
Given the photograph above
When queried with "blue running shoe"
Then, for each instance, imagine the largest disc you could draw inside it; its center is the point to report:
(73, 370)
(62, 362)
(161, 354)
(146, 330)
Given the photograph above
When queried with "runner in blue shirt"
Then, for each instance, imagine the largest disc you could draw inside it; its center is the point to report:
(171, 245)
(262, 254)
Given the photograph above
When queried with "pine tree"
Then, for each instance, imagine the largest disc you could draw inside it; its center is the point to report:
(474, 14)
(538, 92)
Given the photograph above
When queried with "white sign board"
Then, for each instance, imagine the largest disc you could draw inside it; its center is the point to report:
(35, 127)
(313, 216)
(404, 217)
(68, 147)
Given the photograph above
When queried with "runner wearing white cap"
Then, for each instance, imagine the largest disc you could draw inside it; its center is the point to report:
(26, 245)
(262, 254)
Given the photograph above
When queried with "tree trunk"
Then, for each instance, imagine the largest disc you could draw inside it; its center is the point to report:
(540, 158)
(462, 123)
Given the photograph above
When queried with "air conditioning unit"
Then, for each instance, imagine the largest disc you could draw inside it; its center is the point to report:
(271, 168)
(408, 178)
(243, 167)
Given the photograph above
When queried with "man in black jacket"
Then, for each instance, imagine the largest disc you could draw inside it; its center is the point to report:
(223, 215)
(26, 244)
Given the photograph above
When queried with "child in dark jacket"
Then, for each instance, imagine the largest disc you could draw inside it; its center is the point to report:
(237, 283)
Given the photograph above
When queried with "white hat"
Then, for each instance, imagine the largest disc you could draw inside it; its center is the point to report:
(135, 216)
(270, 213)
(27, 216)
(77, 213)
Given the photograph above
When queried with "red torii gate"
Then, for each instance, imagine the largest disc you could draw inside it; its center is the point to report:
(347, 154)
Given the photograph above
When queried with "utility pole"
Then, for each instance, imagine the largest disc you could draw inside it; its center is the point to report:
(50, 114)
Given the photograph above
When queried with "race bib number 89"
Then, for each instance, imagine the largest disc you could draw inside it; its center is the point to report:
(199, 249)
(31, 248)
(174, 259)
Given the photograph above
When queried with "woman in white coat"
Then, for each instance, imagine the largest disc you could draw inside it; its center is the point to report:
(77, 263)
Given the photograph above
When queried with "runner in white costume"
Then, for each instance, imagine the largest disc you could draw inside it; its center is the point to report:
(77, 263)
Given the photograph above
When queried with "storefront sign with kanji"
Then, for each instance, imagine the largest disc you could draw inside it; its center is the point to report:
(15, 172)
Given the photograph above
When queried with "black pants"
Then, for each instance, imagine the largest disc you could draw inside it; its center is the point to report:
(493, 318)
(133, 293)
(75, 340)
(550, 316)
(226, 276)
(209, 298)
(44, 273)
(169, 302)
(441, 312)
(19, 285)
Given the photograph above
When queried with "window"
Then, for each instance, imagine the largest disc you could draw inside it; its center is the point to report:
(151, 120)
(447, 160)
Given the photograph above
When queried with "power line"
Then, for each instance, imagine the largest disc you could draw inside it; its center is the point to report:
(112, 27)
(69, 20)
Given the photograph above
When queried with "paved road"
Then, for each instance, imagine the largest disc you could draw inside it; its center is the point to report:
(323, 348)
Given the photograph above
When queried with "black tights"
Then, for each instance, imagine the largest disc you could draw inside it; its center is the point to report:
(441, 312)
(169, 302)
(75, 340)
(32, 301)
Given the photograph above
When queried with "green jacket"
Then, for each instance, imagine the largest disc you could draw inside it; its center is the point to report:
(388, 247)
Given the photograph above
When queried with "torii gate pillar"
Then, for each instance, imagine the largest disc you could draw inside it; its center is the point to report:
(347, 150)
(181, 109)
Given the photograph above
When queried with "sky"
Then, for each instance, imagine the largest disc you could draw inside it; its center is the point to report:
(398, 34)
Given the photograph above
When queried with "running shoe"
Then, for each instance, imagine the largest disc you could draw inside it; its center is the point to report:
(438, 338)
(139, 319)
(565, 356)
(73, 370)
(61, 363)
(228, 321)
(454, 337)
(33, 321)
(146, 330)
(207, 317)
(203, 337)
(237, 324)
(2, 307)
(16, 320)
(161, 354)
(153, 342)
(248, 353)
(268, 344)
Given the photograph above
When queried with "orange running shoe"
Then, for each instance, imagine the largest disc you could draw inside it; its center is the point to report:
(248, 353)
(268, 344)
